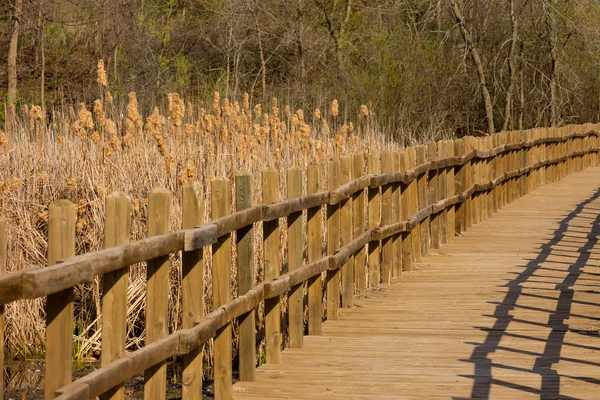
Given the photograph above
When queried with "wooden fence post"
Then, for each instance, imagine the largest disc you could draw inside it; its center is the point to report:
(423, 195)
(59, 306)
(450, 191)
(442, 193)
(435, 194)
(469, 181)
(117, 227)
(157, 292)
(413, 191)
(192, 271)
(315, 284)
(406, 205)
(387, 250)
(2, 272)
(374, 222)
(333, 243)
(272, 262)
(346, 211)
(221, 284)
(295, 256)
(246, 279)
(358, 224)
(396, 217)
(460, 177)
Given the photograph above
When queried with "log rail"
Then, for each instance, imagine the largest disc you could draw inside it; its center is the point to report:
(464, 181)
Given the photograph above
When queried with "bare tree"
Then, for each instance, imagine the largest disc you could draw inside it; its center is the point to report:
(12, 65)
(512, 65)
(485, 93)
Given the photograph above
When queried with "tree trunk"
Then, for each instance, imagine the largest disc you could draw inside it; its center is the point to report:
(11, 64)
(512, 70)
(552, 42)
(487, 100)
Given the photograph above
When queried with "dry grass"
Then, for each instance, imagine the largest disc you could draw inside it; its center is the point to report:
(83, 155)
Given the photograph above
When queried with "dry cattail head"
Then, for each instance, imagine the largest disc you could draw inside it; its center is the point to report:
(287, 111)
(335, 108)
(99, 111)
(246, 102)
(300, 114)
(109, 98)
(191, 172)
(176, 108)
(3, 140)
(182, 178)
(364, 110)
(155, 122)
(36, 113)
(217, 104)
(96, 137)
(72, 182)
(26, 109)
(169, 160)
(318, 114)
(257, 111)
(102, 81)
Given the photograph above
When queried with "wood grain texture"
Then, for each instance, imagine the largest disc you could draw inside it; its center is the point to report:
(314, 253)
(346, 235)
(333, 242)
(157, 292)
(374, 207)
(117, 227)
(59, 306)
(488, 318)
(358, 225)
(295, 257)
(221, 284)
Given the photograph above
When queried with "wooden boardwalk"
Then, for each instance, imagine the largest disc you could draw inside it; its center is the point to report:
(510, 310)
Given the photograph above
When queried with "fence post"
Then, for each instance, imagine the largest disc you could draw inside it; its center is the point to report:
(221, 284)
(374, 222)
(315, 284)
(490, 171)
(117, 227)
(157, 292)
(2, 272)
(406, 205)
(450, 191)
(246, 277)
(272, 262)
(346, 211)
(435, 194)
(358, 224)
(423, 196)
(59, 306)
(192, 271)
(295, 247)
(333, 243)
(442, 193)
(387, 250)
(396, 217)
(459, 187)
(413, 190)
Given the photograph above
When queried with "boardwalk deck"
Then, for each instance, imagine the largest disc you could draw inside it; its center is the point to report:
(510, 310)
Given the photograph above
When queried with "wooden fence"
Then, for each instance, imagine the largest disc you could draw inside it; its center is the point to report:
(378, 225)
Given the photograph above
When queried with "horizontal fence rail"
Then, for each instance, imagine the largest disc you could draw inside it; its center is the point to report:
(416, 199)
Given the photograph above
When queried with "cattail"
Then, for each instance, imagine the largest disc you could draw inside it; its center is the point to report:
(317, 114)
(182, 178)
(176, 108)
(134, 121)
(16, 183)
(257, 111)
(169, 160)
(246, 103)
(364, 110)
(96, 137)
(109, 98)
(217, 104)
(3, 140)
(72, 182)
(334, 108)
(99, 111)
(102, 81)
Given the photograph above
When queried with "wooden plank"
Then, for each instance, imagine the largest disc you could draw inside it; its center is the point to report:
(459, 186)
(272, 266)
(2, 316)
(221, 284)
(295, 256)
(314, 252)
(358, 225)
(387, 249)
(117, 227)
(333, 243)
(59, 306)
(423, 199)
(435, 194)
(374, 207)
(346, 233)
(406, 211)
(157, 292)
(246, 280)
(396, 218)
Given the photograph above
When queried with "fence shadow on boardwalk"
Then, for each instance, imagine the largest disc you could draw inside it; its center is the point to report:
(579, 254)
